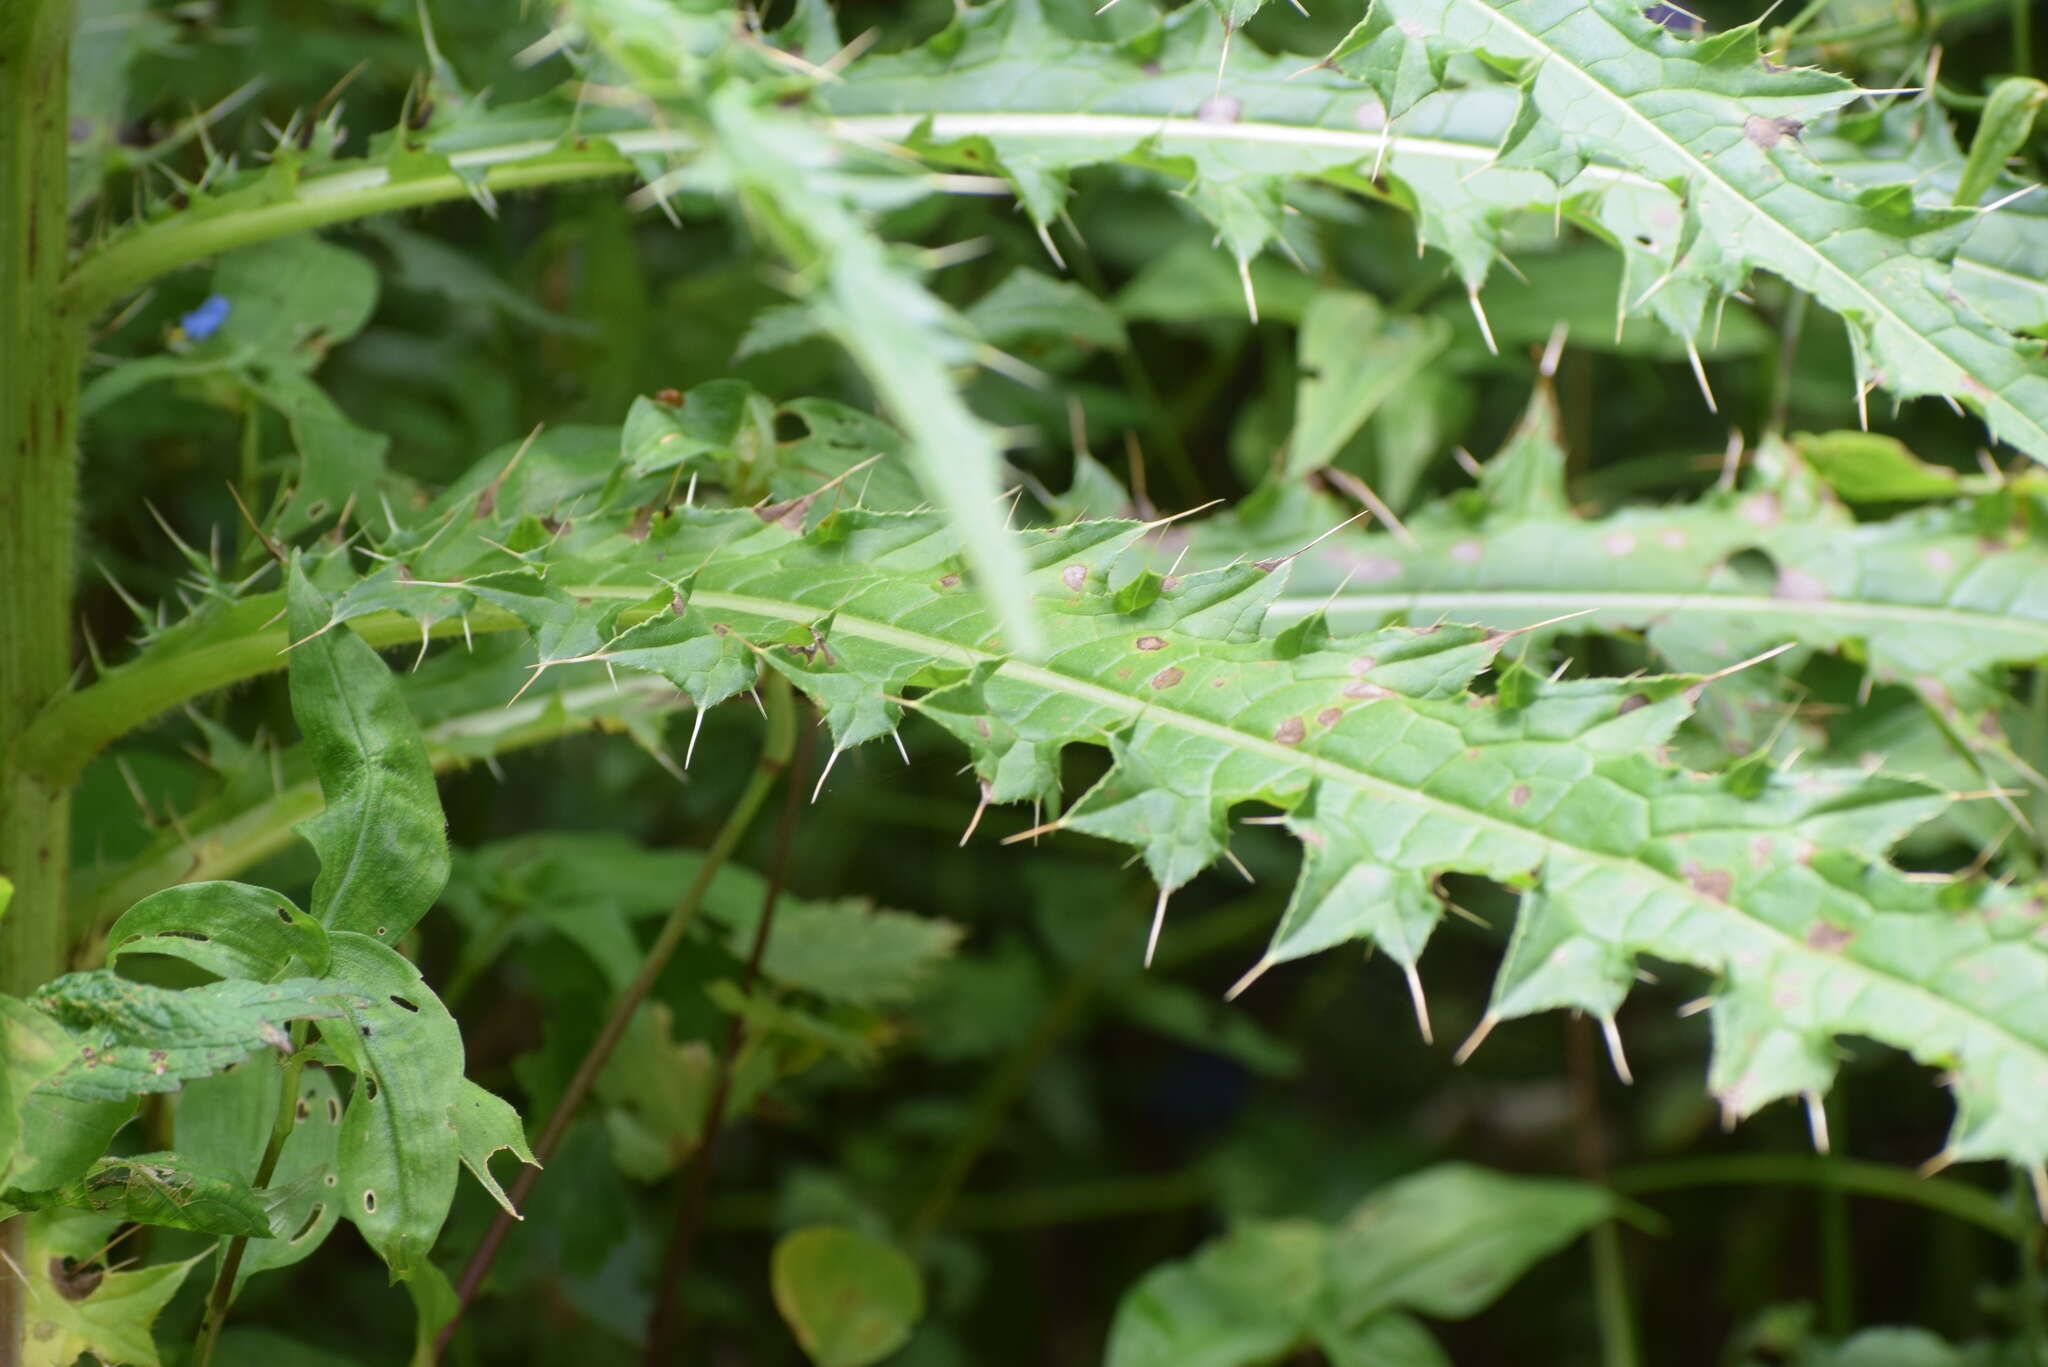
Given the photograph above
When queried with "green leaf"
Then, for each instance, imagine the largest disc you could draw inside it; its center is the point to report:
(398, 1147)
(2002, 129)
(161, 1189)
(1867, 467)
(848, 951)
(73, 1310)
(292, 299)
(1031, 306)
(232, 929)
(1244, 1299)
(1353, 358)
(1385, 1340)
(1450, 1239)
(126, 1037)
(850, 1299)
(382, 840)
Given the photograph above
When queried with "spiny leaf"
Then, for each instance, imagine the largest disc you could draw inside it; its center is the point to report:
(92, 1310)
(1373, 747)
(1709, 115)
(484, 1125)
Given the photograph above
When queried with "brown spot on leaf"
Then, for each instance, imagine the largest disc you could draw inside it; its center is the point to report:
(1330, 716)
(1290, 732)
(1828, 939)
(643, 521)
(949, 581)
(1631, 703)
(1151, 643)
(669, 398)
(1714, 883)
(1798, 586)
(1363, 664)
(1167, 678)
(1075, 577)
(1368, 691)
(1518, 796)
(1760, 850)
(1768, 133)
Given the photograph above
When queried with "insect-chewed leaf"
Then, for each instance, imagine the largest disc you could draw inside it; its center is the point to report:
(232, 929)
(484, 1125)
(128, 1037)
(398, 1148)
(105, 1314)
(46, 1138)
(382, 840)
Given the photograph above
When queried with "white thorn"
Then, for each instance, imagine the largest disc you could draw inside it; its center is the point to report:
(1817, 1121)
(1863, 404)
(1479, 312)
(1699, 373)
(1238, 864)
(1421, 1003)
(695, 727)
(1476, 1038)
(755, 694)
(2039, 1175)
(1251, 300)
(1158, 920)
(1045, 236)
(690, 494)
(1614, 1051)
(1553, 350)
(897, 736)
(975, 820)
(827, 773)
(1252, 975)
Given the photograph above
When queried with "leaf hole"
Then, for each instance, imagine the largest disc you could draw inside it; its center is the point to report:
(369, 1202)
(284, 914)
(333, 1110)
(369, 1087)
(404, 1004)
(312, 1218)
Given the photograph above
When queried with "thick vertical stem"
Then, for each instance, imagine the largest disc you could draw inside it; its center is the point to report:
(38, 388)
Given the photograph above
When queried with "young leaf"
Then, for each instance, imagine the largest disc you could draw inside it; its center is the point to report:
(847, 951)
(849, 1299)
(1353, 358)
(382, 841)
(305, 1188)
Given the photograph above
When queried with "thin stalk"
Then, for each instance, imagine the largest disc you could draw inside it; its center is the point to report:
(1159, 424)
(1003, 1089)
(39, 359)
(665, 1325)
(2023, 37)
(777, 745)
(1789, 327)
(1837, 1251)
(1944, 1195)
(1612, 1307)
(223, 1294)
(2027, 1241)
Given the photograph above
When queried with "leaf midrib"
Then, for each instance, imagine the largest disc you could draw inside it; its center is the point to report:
(1958, 619)
(1053, 680)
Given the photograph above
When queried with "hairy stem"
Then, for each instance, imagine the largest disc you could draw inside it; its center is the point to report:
(664, 1327)
(39, 359)
(777, 745)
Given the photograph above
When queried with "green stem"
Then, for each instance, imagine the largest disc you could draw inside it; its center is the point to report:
(777, 745)
(223, 1294)
(2023, 36)
(39, 359)
(1945, 1195)
(1837, 1251)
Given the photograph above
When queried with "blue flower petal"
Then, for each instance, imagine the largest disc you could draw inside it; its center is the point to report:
(202, 322)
